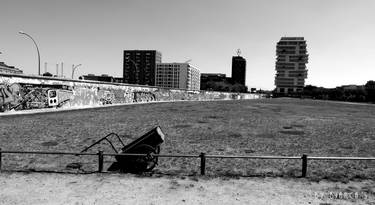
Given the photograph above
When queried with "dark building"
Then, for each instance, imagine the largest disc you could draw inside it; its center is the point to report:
(208, 78)
(102, 78)
(140, 66)
(118, 80)
(213, 77)
(219, 82)
(238, 70)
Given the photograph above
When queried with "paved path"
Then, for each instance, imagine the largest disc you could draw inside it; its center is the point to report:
(46, 188)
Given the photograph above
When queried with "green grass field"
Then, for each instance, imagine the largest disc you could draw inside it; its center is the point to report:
(287, 127)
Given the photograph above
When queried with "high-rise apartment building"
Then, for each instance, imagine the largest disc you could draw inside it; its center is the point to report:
(177, 75)
(238, 70)
(291, 62)
(140, 65)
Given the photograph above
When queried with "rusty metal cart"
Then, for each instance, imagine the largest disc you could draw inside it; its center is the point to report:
(148, 144)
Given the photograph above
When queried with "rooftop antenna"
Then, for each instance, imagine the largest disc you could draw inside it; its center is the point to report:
(238, 52)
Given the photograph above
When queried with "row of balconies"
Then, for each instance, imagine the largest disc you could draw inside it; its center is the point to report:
(289, 79)
(289, 85)
(301, 75)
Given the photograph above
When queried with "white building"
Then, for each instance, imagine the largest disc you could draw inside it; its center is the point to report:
(291, 63)
(177, 75)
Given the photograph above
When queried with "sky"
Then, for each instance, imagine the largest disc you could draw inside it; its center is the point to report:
(340, 35)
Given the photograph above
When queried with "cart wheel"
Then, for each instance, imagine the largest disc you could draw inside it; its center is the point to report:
(157, 149)
(143, 163)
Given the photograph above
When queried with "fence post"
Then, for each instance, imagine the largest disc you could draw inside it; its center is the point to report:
(304, 165)
(100, 159)
(203, 163)
(0, 158)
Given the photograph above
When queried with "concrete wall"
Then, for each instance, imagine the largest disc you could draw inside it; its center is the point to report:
(20, 92)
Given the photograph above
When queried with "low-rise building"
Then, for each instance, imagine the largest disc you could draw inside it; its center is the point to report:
(4, 68)
(102, 78)
(207, 78)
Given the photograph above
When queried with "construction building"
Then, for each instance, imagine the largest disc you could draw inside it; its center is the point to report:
(291, 62)
(177, 75)
(139, 66)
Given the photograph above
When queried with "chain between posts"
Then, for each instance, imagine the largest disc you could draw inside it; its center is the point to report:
(202, 156)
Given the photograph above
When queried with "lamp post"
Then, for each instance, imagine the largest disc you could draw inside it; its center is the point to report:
(37, 49)
(135, 70)
(74, 68)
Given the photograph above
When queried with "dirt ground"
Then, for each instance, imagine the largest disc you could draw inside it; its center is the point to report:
(52, 188)
(285, 127)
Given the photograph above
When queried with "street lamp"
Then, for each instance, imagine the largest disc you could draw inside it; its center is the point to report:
(136, 68)
(74, 68)
(37, 49)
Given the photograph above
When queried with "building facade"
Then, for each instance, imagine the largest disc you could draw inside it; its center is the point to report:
(139, 66)
(4, 68)
(291, 62)
(177, 75)
(238, 70)
(207, 78)
(102, 78)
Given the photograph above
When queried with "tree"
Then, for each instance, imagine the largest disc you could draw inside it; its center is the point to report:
(370, 90)
(47, 74)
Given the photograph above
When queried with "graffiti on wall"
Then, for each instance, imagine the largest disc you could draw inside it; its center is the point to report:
(144, 96)
(9, 95)
(25, 93)
(18, 96)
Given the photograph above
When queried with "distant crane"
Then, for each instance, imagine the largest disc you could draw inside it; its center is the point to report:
(188, 61)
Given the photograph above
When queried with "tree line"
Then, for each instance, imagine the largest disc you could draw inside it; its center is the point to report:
(365, 93)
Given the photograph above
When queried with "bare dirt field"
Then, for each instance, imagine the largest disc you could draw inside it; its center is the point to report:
(88, 189)
(287, 127)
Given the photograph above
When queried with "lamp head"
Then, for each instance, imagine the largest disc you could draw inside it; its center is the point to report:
(21, 32)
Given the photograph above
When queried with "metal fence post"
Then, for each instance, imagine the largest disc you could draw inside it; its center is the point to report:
(203, 163)
(100, 159)
(304, 165)
(0, 158)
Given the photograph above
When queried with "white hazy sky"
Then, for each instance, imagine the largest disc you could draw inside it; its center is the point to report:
(340, 35)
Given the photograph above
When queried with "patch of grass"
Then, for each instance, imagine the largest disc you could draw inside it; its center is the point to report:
(50, 143)
(182, 126)
(292, 132)
(246, 127)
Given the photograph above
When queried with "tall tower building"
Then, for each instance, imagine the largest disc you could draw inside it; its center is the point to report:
(140, 66)
(291, 62)
(238, 69)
